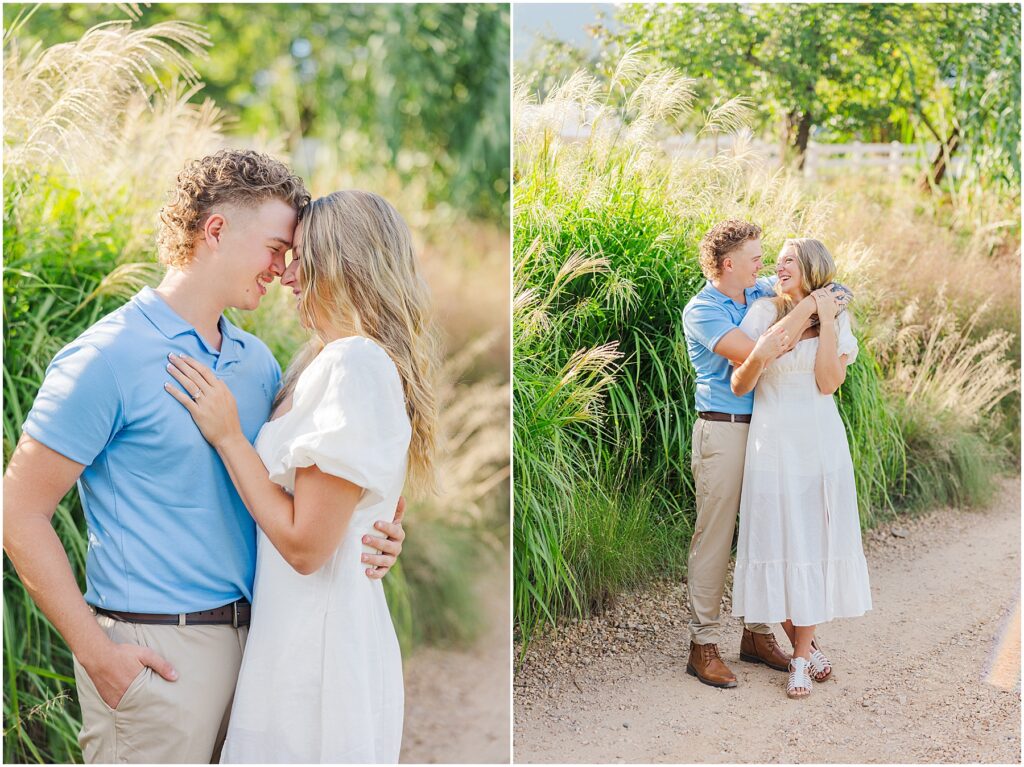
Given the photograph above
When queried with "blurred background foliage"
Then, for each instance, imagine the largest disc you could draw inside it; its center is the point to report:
(102, 107)
(944, 73)
(421, 88)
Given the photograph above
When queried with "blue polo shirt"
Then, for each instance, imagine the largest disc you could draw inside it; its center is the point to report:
(168, 533)
(708, 316)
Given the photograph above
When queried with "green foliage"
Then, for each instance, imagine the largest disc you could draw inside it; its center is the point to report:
(444, 606)
(55, 267)
(843, 72)
(419, 88)
(877, 444)
(947, 465)
(971, 86)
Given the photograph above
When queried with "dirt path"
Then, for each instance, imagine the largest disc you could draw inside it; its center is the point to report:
(912, 680)
(457, 702)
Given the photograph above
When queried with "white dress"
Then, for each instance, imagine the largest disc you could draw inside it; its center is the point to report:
(799, 552)
(321, 675)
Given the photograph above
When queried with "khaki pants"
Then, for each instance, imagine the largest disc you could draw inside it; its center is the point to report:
(158, 721)
(718, 449)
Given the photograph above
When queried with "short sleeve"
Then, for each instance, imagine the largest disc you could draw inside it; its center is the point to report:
(706, 323)
(348, 418)
(759, 317)
(79, 408)
(844, 335)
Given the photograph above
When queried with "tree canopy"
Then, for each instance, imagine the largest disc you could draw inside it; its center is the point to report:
(944, 73)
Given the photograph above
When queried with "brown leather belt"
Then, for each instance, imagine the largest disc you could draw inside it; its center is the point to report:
(731, 417)
(235, 614)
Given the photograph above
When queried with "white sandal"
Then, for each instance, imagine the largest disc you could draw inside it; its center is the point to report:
(799, 679)
(819, 664)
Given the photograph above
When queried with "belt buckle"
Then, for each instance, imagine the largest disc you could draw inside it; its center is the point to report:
(234, 614)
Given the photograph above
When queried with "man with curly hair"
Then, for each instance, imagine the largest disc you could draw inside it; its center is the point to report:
(730, 258)
(158, 637)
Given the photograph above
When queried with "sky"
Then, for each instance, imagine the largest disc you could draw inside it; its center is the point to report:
(564, 21)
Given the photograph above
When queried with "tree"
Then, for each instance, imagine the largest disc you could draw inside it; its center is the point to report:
(874, 72)
(795, 60)
(963, 88)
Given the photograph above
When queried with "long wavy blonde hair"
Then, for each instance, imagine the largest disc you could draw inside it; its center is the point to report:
(358, 271)
(817, 269)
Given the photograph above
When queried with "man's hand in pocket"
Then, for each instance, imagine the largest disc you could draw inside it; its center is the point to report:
(114, 672)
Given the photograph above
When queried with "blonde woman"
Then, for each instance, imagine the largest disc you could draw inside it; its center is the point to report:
(321, 676)
(799, 559)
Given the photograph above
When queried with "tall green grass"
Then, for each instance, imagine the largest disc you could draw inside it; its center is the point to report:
(606, 231)
(74, 249)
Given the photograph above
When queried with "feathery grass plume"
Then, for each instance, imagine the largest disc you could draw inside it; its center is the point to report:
(914, 239)
(62, 103)
(661, 96)
(568, 101)
(123, 282)
(475, 457)
(41, 711)
(523, 99)
(628, 71)
(729, 116)
(938, 365)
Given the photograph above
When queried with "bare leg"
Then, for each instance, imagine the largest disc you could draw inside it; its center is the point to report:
(804, 635)
(790, 630)
(802, 645)
(787, 626)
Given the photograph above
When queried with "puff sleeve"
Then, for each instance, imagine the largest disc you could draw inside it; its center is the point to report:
(348, 418)
(759, 317)
(844, 335)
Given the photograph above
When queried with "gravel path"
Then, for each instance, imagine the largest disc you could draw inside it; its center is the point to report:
(913, 679)
(457, 701)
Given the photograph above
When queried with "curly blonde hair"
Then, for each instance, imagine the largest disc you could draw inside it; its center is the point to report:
(722, 239)
(237, 176)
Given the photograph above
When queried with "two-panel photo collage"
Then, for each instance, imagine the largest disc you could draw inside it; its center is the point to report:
(512, 383)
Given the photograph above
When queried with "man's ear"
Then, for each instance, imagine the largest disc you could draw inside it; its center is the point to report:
(727, 264)
(213, 229)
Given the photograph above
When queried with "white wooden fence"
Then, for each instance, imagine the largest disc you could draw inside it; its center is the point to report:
(824, 159)
(821, 159)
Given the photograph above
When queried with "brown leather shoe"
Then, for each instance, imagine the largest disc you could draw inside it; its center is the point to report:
(762, 648)
(707, 665)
